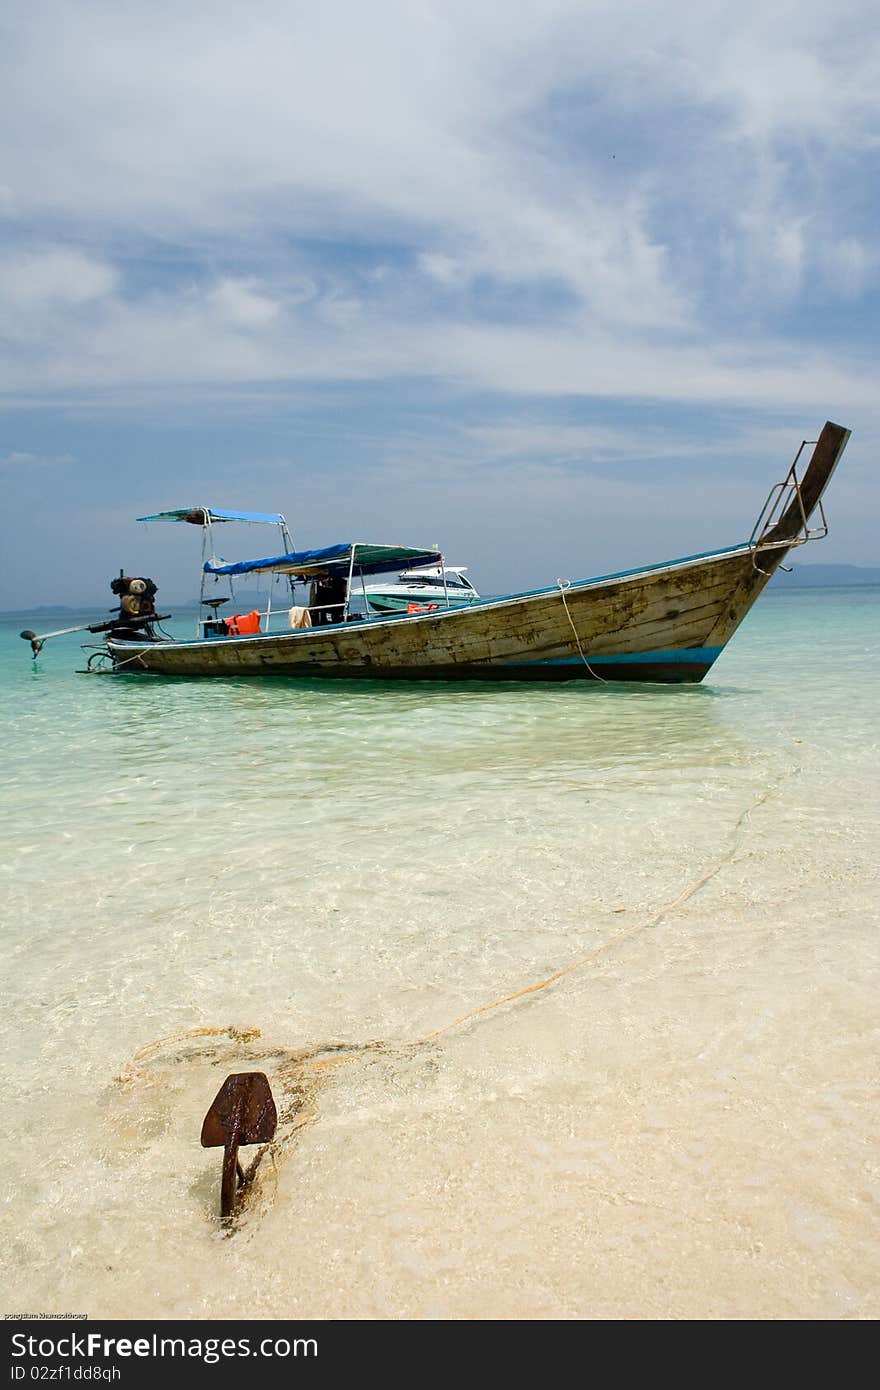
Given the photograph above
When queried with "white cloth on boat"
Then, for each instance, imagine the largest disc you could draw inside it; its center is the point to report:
(299, 617)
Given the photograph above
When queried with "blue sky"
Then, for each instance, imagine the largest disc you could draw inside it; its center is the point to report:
(559, 286)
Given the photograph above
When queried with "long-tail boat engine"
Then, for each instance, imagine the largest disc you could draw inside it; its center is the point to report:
(136, 596)
(133, 620)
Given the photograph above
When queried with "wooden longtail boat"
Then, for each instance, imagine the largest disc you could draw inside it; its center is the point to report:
(666, 622)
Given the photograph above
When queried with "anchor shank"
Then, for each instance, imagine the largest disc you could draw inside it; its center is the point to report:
(230, 1164)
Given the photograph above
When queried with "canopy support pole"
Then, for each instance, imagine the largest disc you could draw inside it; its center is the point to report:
(287, 542)
(205, 529)
(348, 585)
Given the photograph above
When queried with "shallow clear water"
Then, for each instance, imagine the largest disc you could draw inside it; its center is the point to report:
(680, 1127)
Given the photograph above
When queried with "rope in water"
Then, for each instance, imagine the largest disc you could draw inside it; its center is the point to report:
(611, 942)
(328, 1053)
(293, 1065)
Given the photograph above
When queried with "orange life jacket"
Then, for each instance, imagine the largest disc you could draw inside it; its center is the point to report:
(243, 624)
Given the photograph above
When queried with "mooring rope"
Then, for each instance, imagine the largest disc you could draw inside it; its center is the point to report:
(563, 585)
(615, 940)
(118, 665)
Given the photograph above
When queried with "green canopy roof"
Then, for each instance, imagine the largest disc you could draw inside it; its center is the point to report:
(335, 559)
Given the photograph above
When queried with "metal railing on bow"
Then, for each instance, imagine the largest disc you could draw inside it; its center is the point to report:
(779, 501)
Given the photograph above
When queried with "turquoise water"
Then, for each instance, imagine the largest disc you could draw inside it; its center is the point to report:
(676, 1128)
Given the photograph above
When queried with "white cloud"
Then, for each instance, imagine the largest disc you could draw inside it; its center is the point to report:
(240, 304)
(446, 269)
(852, 265)
(157, 118)
(571, 198)
(20, 459)
(224, 334)
(56, 276)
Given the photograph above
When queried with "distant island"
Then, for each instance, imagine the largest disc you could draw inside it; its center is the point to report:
(826, 576)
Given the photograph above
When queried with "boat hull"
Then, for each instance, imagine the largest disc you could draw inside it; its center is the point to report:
(668, 625)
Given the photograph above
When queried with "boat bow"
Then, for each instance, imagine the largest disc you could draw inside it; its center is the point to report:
(784, 522)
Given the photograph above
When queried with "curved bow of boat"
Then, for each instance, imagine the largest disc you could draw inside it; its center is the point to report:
(802, 496)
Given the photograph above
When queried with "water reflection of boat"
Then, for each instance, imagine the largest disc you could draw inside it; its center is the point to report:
(663, 622)
(440, 585)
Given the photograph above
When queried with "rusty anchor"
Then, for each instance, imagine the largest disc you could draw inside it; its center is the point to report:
(243, 1112)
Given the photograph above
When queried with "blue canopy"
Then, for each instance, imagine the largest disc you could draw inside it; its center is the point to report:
(334, 559)
(203, 516)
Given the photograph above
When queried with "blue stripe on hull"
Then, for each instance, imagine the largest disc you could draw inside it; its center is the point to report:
(647, 670)
(702, 656)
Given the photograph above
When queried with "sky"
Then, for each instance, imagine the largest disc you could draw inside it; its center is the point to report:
(559, 286)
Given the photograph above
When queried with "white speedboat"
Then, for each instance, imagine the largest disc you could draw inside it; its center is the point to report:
(441, 586)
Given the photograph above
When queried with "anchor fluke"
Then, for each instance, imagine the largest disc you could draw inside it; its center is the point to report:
(243, 1112)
